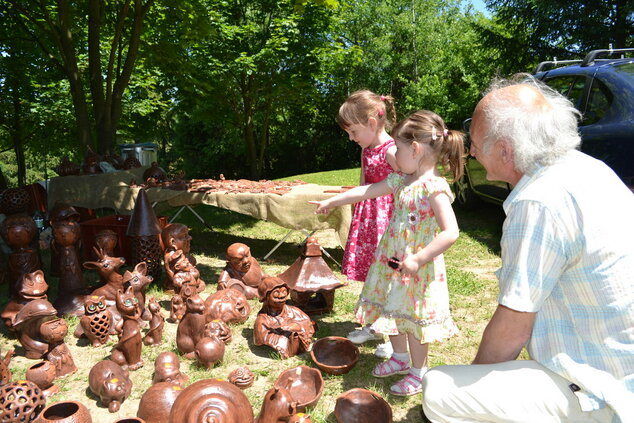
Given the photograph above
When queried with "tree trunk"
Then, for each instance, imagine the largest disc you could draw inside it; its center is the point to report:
(249, 132)
(16, 133)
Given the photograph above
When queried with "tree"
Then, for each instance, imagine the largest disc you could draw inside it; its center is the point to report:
(70, 35)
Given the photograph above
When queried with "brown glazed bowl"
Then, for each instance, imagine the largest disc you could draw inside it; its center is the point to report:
(65, 412)
(334, 355)
(305, 384)
(360, 405)
(130, 420)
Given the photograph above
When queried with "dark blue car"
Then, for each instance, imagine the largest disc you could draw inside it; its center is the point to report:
(603, 91)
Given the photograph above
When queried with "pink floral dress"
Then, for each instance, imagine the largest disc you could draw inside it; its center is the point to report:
(370, 217)
(393, 303)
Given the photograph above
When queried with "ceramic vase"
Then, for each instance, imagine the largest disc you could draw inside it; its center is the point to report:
(65, 412)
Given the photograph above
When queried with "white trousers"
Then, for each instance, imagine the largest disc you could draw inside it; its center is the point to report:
(513, 391)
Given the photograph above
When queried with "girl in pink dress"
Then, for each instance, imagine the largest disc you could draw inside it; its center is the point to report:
(366, 117)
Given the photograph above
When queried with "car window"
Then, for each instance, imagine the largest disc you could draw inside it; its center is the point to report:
(599, 101)
(570, 85)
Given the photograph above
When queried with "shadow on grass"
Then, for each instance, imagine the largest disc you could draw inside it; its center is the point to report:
(483, 223)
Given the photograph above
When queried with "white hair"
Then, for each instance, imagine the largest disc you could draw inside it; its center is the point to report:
(539, 136)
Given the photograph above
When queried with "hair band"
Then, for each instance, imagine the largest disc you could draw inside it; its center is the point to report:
(433, 133)
(380, 113)
(382, 98)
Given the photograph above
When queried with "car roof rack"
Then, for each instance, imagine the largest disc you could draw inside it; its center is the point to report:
(591, 56)
(552, 63)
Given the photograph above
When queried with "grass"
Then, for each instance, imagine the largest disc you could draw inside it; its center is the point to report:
(473, 290)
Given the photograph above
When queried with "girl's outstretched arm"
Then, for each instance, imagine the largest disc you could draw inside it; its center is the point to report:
(353, 195)
(446, 219)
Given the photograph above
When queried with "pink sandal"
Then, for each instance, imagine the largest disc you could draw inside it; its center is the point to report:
(409, 385)
(390, 367)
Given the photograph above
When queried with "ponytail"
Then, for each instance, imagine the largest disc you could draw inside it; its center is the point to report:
(452, 153)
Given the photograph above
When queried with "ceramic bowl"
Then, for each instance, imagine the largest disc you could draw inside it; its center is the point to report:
(335, 355)
(361, 405)
(305, 384)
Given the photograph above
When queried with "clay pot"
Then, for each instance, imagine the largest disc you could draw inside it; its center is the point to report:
(360, 405)
(43, 374)
(242, 377)
(155, 172)
(15, 200)
(130, 420)
(65, 412)
(334, 355)
(22, 401)
(157, 401)
(211, 400)
(209, 351)
(304, 383)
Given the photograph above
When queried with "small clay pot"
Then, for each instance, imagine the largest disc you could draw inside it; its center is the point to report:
(304, 383)
(334, 355)
(157, 401)
(361, 405)
(242, 377)
(43, 374)
(65, 412)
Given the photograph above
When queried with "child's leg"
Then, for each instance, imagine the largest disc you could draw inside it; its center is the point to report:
(417, 351)
(398, 362)
(412, 383)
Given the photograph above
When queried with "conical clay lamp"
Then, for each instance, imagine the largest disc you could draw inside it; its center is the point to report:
(310, 280)
(144, 230)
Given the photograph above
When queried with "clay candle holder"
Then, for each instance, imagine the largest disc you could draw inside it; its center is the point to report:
(22, 401)
(304, 383)
(362, 405)
(334, 355)
(43, 374)
(65, 412)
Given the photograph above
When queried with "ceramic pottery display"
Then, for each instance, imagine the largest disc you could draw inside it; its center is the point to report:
(108, 268)
(131, 161)
(143, 232)
(5, 370)
(114, 159)
(43, 374)
(65, 412)
(22, 401)
(209, 350)
(96, 323)
(110, 382)
(219, 329)
(155, 172)
(311, 281)
(300, 418)
(157, 401)
(15, 200)
(334, 355)
(283, 327)
(211, 400)
(19, 232)
(139, 280)
(361, 405)
(127, 352)
(167, 369)
(177, 258)
(27, 325)
(32, 287)
(154, 335)
(106, 240)
(277, 405)
(61, 212)
(228, 305)
(305, 384)
(242, 377)
(72, 287)
(66, 167)
(242, 272)
(53, 332)
(191, 327)
(91, 162)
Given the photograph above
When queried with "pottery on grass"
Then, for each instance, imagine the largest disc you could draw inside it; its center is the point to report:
(334, 355)
(360, 405)
(157, 401)
(304, 383)
(65, 412)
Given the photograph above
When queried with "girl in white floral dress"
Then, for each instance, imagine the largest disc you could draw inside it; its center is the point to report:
(405, 295)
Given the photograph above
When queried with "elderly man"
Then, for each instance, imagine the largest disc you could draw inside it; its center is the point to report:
(566, 281)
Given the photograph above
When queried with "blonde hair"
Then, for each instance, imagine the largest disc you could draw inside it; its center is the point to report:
(427, 127)
(363, 105)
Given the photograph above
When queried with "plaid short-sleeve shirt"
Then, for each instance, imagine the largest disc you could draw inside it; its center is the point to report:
(568, 255)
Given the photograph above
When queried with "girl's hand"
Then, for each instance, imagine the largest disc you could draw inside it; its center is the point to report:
(410, 265)
(322, 206)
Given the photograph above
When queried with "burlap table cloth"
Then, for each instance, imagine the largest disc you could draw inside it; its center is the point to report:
(291, 210)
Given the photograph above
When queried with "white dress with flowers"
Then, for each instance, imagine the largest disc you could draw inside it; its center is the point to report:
(391, 302)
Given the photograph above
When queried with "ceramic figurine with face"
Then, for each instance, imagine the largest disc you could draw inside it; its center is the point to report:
(53, 332)
(108, 268)
(110, 382)
(33, 287)
(138, 279)
(285, 328)
(167, 369)
(228, 305)
(96, 321)
(184, 273)
(19, 232)
(127, 352)
(28, 323)
(191, 327)
(177, 243)
(278, 405)
(106, 241)
(5, 370)
(72, 286)
(154, 335)
(243, 267)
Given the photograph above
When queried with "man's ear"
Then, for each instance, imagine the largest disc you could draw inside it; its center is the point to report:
(505, 151)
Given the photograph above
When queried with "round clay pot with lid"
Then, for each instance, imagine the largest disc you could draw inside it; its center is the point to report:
(65, 412)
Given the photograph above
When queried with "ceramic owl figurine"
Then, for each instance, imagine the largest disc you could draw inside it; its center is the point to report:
(96, 321)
